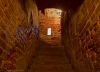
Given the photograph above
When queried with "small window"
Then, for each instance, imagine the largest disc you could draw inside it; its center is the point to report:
(49, 31)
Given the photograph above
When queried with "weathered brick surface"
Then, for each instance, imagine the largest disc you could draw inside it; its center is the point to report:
(83, 45)
(50, 19)
(16, 47)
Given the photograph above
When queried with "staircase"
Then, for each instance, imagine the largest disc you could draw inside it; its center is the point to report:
(50, 59)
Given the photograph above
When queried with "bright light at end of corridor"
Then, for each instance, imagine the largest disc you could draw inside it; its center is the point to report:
(60, 11)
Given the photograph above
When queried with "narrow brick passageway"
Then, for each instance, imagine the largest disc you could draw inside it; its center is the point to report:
(49, 35)
(50, 55)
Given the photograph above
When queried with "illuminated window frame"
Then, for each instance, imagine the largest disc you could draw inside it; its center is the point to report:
(48, 31)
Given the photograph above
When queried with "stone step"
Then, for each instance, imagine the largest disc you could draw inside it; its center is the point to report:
(51, 53)
(51, 68)
(48, 60)
(51, 57)
(59, 70)
(51, 48)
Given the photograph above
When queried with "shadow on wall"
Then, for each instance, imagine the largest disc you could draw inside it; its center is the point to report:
(72, 8)
(74, 4)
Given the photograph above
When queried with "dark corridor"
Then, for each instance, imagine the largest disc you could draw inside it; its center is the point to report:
(22, 49)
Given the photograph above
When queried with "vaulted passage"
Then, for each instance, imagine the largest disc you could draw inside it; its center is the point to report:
(49, 36)
(50, 55)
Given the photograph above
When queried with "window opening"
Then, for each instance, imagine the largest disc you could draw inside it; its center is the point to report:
(49, 31)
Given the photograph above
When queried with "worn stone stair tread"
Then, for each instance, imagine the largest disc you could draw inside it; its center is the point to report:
(51, 51)
(52, 57)
(42, 44)
(50, 61)
(53, 60)
(51, 54)
(51, 47)
(50, 70)
(42, 67)
(62, 66)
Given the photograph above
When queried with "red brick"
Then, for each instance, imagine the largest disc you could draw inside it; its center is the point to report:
(55, 26)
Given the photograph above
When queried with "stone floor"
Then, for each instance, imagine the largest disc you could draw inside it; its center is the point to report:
(51, 59)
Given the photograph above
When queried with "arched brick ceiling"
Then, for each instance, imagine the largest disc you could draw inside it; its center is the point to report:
(62, 4)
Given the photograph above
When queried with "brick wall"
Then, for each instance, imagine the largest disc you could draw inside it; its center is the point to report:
(17, 42)
(83, 34)
(50, 18)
